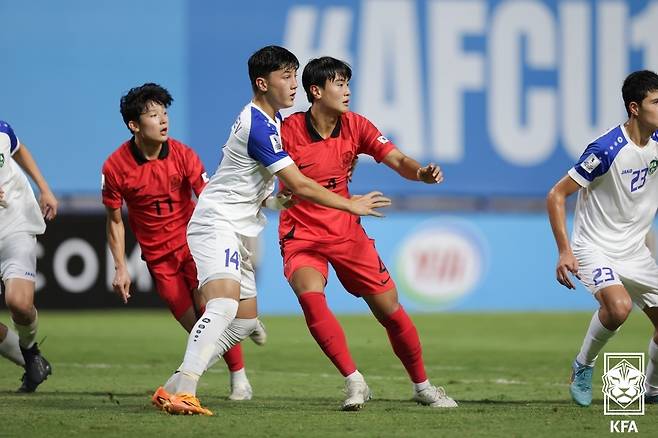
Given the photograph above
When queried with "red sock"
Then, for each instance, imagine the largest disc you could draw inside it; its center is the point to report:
(234, 359)
(327, 331)
(406, 344)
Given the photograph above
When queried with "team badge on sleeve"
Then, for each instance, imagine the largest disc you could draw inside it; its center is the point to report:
(2, 159)
(204, 177)
(382, 139)
(102, 181)
(590, 163)
(276, 143)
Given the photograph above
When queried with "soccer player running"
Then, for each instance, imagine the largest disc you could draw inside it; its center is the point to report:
(324, 141)
(228, 216)
(21, 220)
(156, 175)
(618, 188)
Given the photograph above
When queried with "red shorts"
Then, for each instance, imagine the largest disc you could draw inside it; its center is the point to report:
(175, 279)
(356, 262)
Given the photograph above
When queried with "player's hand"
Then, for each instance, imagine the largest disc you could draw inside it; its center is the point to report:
(121, 284)
(567, 264)
(430, 174)
(366, 205)
(350, 171)
(48, 204)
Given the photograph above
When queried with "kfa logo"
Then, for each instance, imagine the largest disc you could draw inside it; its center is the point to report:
(2, 159)
(653, 165)
(623, 384)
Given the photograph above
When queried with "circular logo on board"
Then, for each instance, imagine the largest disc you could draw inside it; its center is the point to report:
(441, 262)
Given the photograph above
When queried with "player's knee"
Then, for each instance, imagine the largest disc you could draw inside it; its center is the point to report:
(619, 310)
(20, 307)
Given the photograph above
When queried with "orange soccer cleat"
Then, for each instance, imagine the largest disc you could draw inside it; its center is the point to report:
(161, 398)
(186, 404)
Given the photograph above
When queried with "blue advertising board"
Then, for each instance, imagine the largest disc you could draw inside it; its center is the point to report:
(503, 94)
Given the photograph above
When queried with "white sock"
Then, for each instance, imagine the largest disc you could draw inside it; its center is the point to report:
(238, 330)
(10, 349)
(422, 385)
(27, 334)
(597, 336)
(187, 383)
(239, 376)
(651, 384)
(172, 384)
(202, 343)
(356, 376)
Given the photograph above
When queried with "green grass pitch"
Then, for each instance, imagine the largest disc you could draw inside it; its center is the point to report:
(508, 373)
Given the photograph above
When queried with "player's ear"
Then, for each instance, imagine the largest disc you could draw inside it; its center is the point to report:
(634, 108)
(316, 92)
(261, 85)
(133, 126)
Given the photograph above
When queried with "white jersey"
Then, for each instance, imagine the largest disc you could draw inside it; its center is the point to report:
(617, 205)
(22, 212)
(253, 153)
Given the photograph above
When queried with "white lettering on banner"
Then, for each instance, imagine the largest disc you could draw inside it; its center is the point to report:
(334, 30)
(390, 93)
(643, 34)
(578, 67)
(452, 72)
(87, 277)
(520, 143)
(139, 272)
(525, 42)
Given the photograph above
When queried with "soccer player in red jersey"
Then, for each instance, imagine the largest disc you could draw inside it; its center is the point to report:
(155, 175)
(324, 142)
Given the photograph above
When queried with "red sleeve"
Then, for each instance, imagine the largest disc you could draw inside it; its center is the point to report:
(110, 188)
(194, 171)
(371, 140)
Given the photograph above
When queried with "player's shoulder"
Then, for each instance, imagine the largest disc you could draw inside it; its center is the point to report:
(612, 139)
(294, 122)
(118, 159)
(178, 147)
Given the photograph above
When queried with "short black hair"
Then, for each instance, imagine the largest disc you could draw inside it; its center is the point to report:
(136, 101)
(320, 70)
(636, 87)
(268, 59)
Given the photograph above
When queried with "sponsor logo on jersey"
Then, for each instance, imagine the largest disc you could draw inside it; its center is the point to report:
(441, 262)
(276, 143)
(590, 163)
(653, 165)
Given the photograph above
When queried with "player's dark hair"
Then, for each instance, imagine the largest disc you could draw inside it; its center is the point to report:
(320, 70)
(268, 59)
(136, 101)
(636, 87)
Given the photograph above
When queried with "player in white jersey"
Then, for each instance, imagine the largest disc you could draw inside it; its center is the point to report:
(617, 181)
(228, 216)
(21, 219)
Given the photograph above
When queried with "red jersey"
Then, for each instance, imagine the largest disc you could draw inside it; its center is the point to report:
(158, 193)
(327, 161)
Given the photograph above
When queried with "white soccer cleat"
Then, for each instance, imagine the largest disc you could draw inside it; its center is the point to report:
(259, 335)
(435, 397)
(357, 393)
(241, 391)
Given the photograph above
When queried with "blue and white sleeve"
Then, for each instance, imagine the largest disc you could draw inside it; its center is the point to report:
(594, 162)
(264, 145)
(14, 144)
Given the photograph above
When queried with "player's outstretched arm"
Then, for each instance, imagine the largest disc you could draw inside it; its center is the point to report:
(308, 189)
(409, 168)
(116, 239)
(556, 206)
(47, 200)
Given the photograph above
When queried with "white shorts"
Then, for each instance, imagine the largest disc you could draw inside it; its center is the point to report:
(18, 256)
(222, 253)
(638, 274)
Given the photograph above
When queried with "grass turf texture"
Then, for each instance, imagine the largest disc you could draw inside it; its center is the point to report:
(508, 372)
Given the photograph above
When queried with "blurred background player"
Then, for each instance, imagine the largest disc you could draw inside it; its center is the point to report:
(228, 217)
(156, 175)
(21, 219)
(618, 188)
(324, 142)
